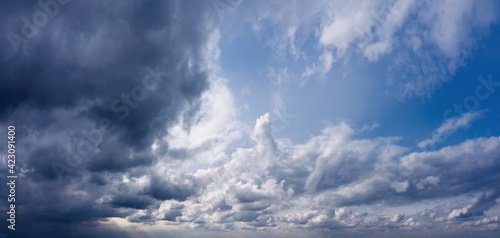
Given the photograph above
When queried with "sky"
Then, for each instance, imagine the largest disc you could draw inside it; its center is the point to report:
(237, 118)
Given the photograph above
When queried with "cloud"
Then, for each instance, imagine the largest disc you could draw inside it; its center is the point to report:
(304, 184)
(135, 202)
(449, 126)
(397, 217)
(482, 204)
(367, 127)
(207, 130)
(176, 187)
(323, 67)
(425, 41)
(429, 181)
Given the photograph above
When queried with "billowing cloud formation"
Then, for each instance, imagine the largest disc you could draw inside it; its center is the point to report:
(324, 182)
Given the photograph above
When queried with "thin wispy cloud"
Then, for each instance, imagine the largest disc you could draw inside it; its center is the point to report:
(449, 126)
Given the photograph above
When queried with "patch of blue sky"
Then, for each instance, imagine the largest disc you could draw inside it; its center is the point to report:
(359, 93)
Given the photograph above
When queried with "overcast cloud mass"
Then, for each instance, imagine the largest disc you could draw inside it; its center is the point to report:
(236, 118)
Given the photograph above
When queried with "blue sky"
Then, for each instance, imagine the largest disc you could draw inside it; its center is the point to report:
(227, 118)
(358, 92)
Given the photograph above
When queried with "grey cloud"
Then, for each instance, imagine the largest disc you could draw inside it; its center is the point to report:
(397, 217)
(174, 212)
(183, 187)
(246, 216)
(482, 204)
(131, 201)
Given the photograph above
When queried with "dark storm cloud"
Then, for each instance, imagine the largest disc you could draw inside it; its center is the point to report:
(94, 53)
(111, 159)
(131, 201)
(98, 179)
(179, 189)
(91, 89)
(40, 162)
(97, 54)
(52, 202)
